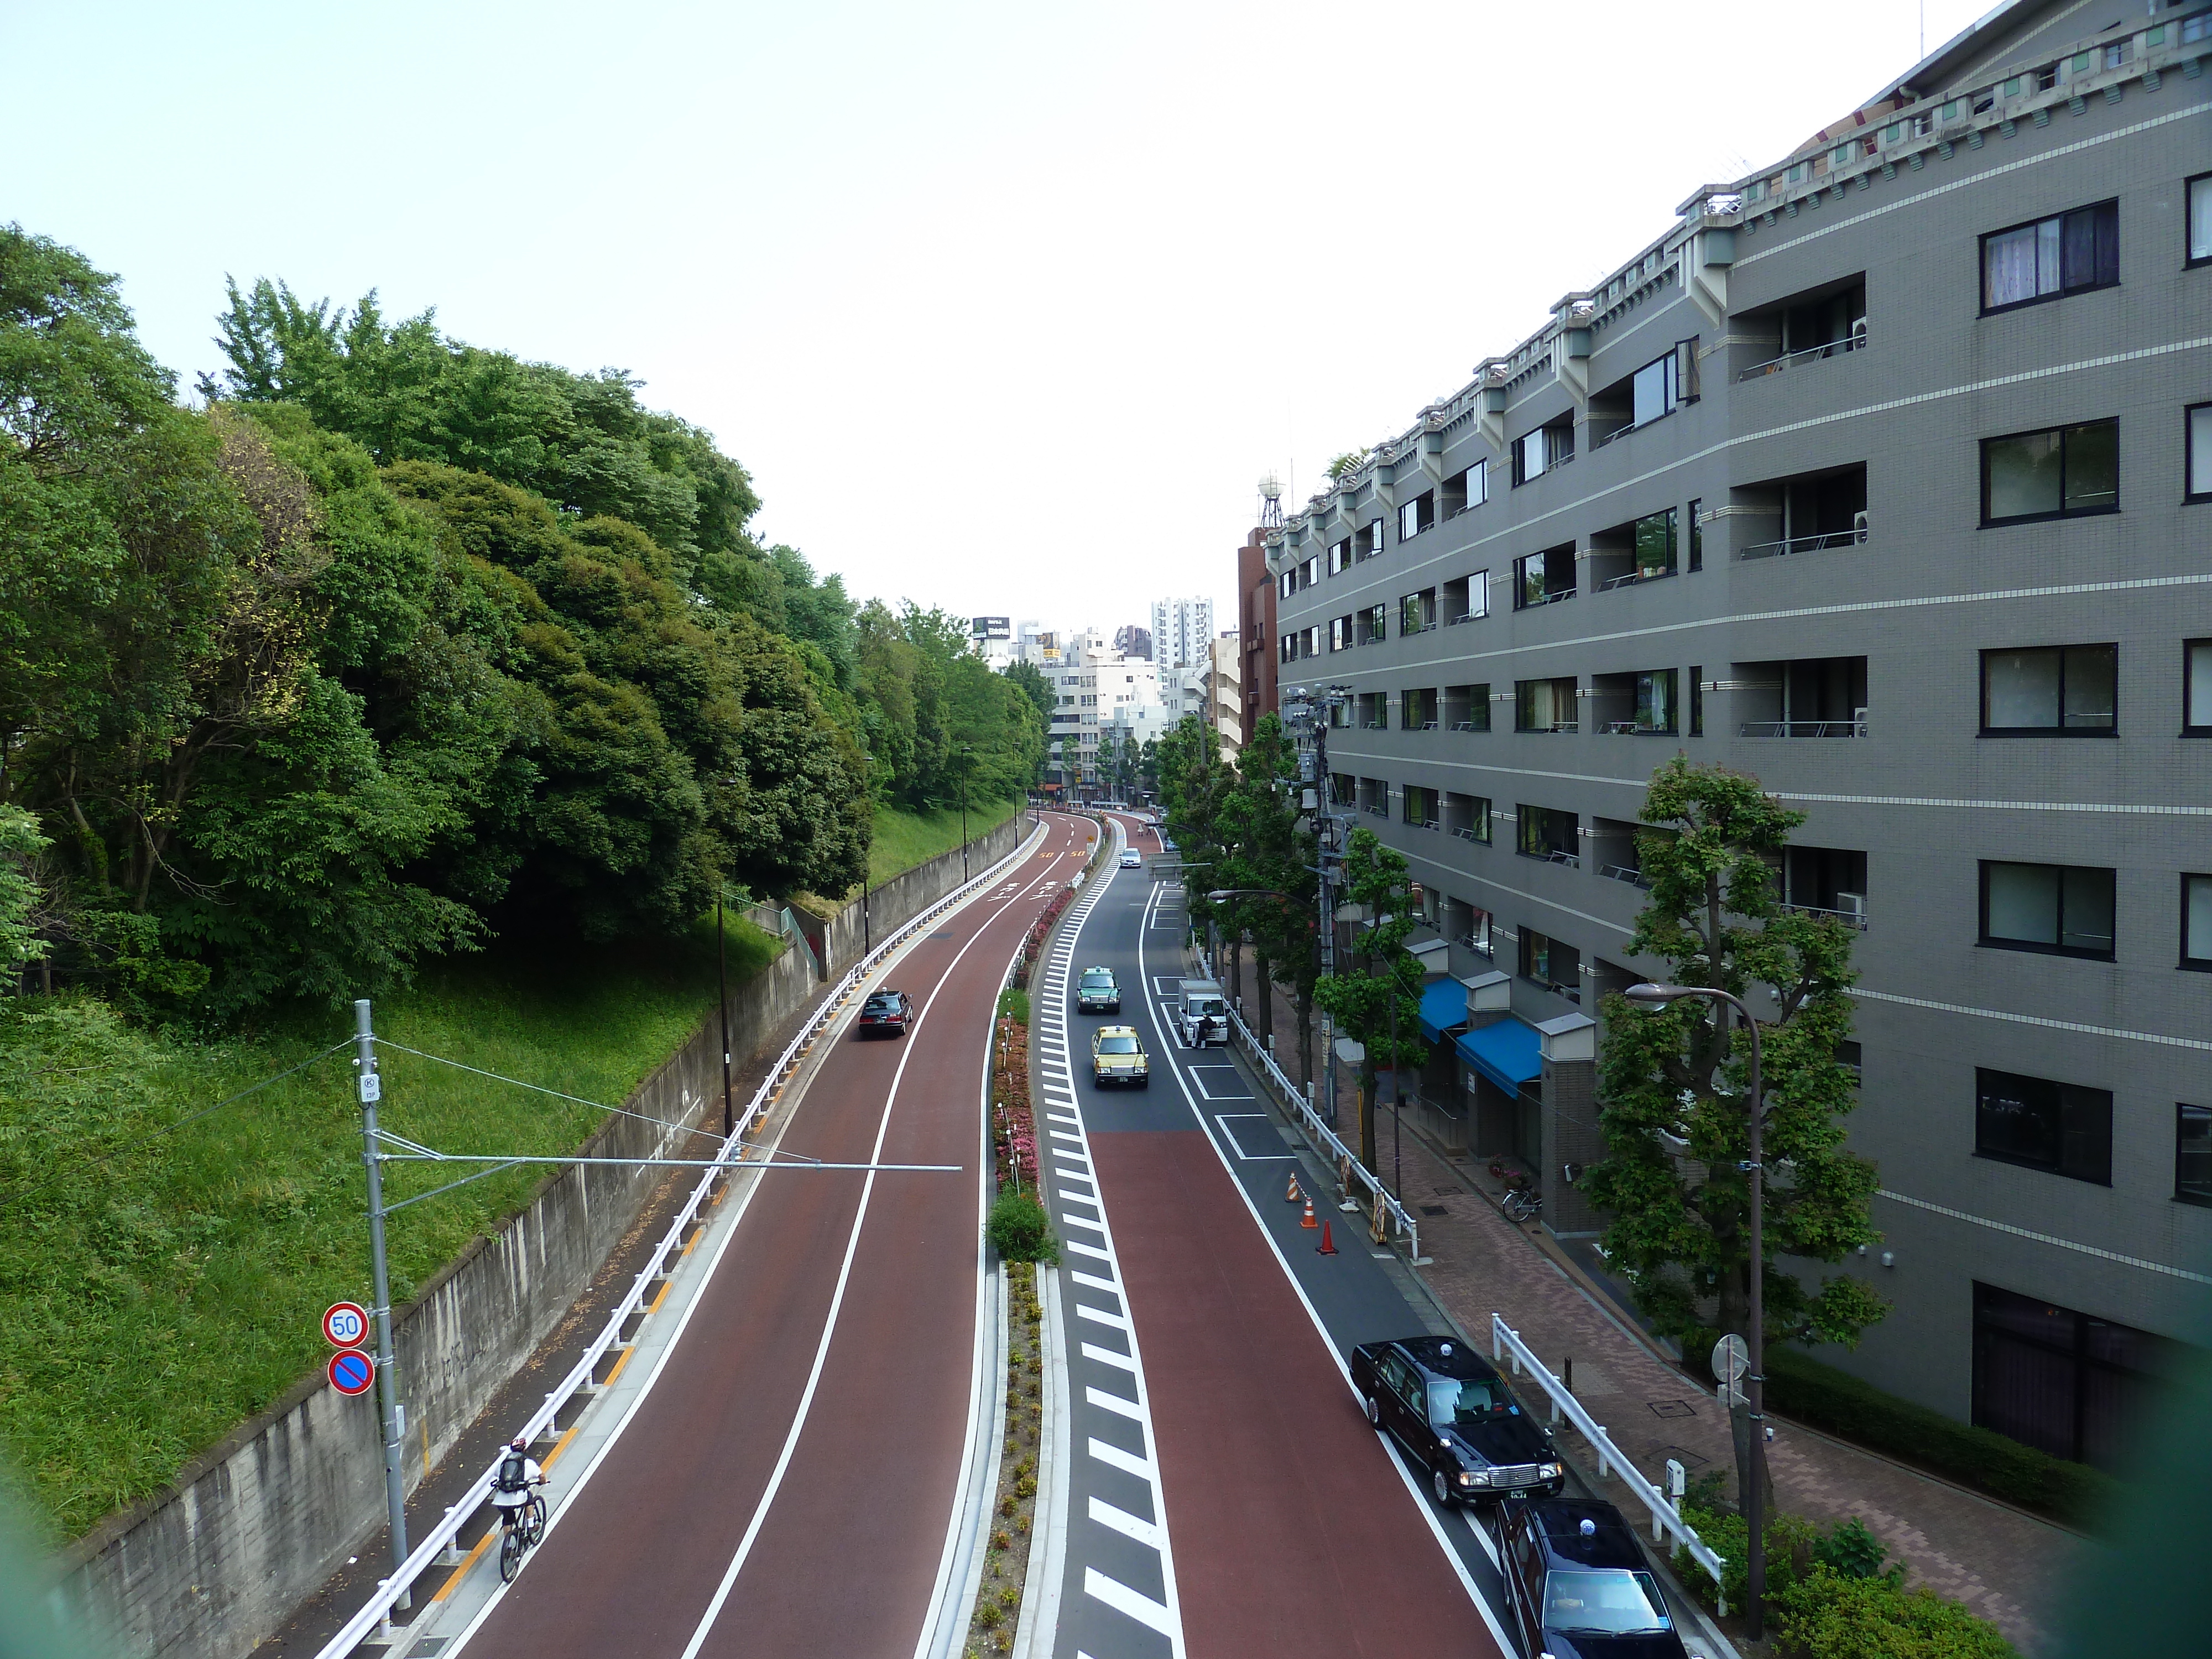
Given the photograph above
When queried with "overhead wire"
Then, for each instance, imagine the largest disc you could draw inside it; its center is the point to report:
(538, 1088)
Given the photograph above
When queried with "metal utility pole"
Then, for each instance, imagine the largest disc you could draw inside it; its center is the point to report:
(722, 1002)
(967, 752)
(1312, 712)
(387, 1370)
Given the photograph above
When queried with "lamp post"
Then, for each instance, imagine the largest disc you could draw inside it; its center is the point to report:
(871, 759)
(722, 1000)
(966, 754)
(1754, 1500)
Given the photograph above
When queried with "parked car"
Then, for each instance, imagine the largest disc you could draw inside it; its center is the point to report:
(1117, 1055)
(1579, 1586)
(885, 1013)
(1131, 858)
(1452, 1411)
(1203, 1018)
(1097, 992)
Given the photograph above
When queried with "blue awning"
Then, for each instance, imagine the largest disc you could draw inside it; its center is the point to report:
(1443, 1006)
(1508, 1053)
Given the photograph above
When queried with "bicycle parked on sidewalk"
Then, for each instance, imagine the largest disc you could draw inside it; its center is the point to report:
(1524, 1204)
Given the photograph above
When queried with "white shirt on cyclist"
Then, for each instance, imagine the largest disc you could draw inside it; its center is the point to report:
(531, 1475)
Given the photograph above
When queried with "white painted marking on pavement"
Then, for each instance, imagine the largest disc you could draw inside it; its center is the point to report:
(1111, 1514)
(1115, 1458)
(1142, 1608)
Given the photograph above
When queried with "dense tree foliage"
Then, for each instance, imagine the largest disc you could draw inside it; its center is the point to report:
(1673, 1080)
(1380, 992)
(400, 641)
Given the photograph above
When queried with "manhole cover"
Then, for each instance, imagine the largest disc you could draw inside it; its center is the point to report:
(1683, 1455)
(1434, 1209)
(1445, 1192)
(428, 1646)
(1671, 1408)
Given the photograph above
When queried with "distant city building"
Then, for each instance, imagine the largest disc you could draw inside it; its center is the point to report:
(1132, 641)
(1225, 693)
(993, 639)
(1256, 631)
(1183, 633)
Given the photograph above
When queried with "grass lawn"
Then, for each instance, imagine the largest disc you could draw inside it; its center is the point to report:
(903, 840)
(155, 1293)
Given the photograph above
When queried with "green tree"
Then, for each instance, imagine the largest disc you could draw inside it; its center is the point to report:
(1673, 1080)
(19, 894)
(1036, 688)
(1384, 974)
(1267, 846)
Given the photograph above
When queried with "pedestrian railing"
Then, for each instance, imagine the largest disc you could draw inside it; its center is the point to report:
(1351, 1169)
(1666, 1519)
(437, 1547)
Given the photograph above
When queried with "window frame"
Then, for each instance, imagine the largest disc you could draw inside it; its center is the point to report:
(2190, 187)
(2062, 510)
(2062, 292)
(1696, 535)
(2189, 413)
(2057, 1167)
(2182, 1109)
(2061, 730)
(2037, 947)
(2189, 650)
(2194, 965)
(1421, 511)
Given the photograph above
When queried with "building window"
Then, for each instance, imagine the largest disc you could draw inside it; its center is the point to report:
(1545, 578)
(2066, 254)
(2196, 922)
(1463, 490)
(1696, 535)
(1420, 806)
(1374, 623)
(2059, 472)
(2200, 212)
(1652, 391)
(2066, 690)
(1340, 556)
(2196, 688)
(1538, 451)
(2192, 1154)
(1545, 705)
(1655, 544)
(2063, 908)
(2061, 1128)
(1548, 834)
(2197, 445)
(1340, 634)
(1697, 701)
(1551, 963)
(1416, 515)
(2069, 1383)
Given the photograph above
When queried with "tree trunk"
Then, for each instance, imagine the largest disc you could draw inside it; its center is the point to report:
(1305, 1037)
(1367, 1114)
(1263, 995)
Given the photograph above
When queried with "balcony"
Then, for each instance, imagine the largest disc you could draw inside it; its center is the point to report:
(1551, 837)
(1807, 328)
(1812, 512)
(1467, 708)
(1854, 727)
(1824, 542)
(1468, 816)
(1809, 697)
(1551, 705)
(1633, 705)
(1855, 341)
(1544, 577)
(1825, 882)
(1641, 550)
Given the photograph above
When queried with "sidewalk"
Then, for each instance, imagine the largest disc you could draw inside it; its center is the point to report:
(2007, 1566)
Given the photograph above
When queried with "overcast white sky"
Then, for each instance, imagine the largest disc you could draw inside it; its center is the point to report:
(1005, 305)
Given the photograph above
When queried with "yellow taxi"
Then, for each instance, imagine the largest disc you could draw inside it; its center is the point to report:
(1117, 1056)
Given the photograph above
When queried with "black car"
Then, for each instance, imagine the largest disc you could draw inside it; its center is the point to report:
(1579, 1585)
(885, 1013)
(1449, 1408)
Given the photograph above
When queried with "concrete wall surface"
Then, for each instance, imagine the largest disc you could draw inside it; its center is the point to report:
(213, 1565)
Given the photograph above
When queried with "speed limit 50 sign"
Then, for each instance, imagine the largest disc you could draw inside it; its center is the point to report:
(345, 1325)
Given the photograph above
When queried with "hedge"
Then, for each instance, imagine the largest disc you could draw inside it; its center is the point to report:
(1801, 1387)
(1020, 1231)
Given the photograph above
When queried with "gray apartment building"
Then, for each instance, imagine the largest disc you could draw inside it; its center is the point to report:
(1885, 476)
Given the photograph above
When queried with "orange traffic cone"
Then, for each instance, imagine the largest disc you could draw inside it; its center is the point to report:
(1307, 1220)
(1327, 1246)
(1292, 1196)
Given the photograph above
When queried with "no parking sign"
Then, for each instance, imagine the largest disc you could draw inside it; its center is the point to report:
(351, 1371)
(345, 1324)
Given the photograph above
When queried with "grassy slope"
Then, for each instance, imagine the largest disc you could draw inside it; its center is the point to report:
(149, 1303)
(903, 840)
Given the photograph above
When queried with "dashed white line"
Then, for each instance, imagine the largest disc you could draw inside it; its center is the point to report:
(1120, 1519)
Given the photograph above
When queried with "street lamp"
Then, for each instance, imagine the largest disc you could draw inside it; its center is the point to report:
(1648, 995)
(966, 754)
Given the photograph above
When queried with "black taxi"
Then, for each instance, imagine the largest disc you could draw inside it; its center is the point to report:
(1449, 1408)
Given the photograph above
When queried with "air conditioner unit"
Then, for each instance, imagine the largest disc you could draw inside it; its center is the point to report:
(1858, 332)
(1851, 906)
(1859, 722)
(1860, 524)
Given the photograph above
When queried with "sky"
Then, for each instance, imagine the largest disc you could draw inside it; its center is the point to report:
(1006, 305)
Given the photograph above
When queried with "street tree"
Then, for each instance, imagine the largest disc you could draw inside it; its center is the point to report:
(1383, 974)
(1267, 848)
(1673, 1080)
(1194, 782)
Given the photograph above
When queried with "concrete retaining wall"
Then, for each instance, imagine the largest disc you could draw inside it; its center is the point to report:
(212, 1565)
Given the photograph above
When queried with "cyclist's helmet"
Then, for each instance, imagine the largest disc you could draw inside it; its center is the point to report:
(518, 1444)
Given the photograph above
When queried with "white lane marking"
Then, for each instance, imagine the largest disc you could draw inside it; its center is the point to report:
(1111, 1514)
(829, 1324)
(1482, 1537)
(1281, 1152)
(1094, 1281)
(1112, 1402)
(1108, 1357)
(1100, 1316)
(1078, 1247)
(1328, 1346)
(1115, 1458)
(1063, 1135)
(1093, 1226)
(1142, 1608)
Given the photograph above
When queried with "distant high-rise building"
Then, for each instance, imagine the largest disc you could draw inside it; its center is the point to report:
(1183, 633)
(1132, 641)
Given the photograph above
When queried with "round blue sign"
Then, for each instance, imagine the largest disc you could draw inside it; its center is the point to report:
(351, 1371)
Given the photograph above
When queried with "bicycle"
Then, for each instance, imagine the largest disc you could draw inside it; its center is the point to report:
(1524, 1204)
(528, 1527)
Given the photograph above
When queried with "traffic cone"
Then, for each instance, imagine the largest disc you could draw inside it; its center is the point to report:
(1327, 1246)
(1307, 1220)
(1292, 1196)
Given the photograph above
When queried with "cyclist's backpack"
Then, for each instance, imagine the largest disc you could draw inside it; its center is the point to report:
(512, 1474)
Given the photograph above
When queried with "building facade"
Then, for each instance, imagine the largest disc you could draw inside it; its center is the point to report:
(1225, 693)
(1256, 631)
(1183, 633)
(1885, 476)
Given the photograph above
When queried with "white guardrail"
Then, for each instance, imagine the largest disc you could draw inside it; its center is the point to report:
(1505, 1341)
(1350, 1170)
(440, 1540)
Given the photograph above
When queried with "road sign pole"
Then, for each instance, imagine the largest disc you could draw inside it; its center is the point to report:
(387, 1372)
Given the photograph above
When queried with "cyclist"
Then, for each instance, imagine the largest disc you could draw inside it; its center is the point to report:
(510, 1487)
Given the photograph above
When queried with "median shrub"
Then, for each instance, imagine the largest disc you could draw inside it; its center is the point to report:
(1020, 1231)
(1836, 1616)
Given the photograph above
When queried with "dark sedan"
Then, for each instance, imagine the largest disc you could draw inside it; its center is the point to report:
(1097, 992)
(1579, 1585)
(1449, 1408)
(885, 1013)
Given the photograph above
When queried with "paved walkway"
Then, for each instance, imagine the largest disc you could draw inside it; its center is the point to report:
(2008, 1566)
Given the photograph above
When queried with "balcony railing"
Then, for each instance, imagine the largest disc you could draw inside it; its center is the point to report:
(1405, 632)
(1529, 602)
(1466, 832)
(1633, 578)
(1556, 726)
(1855, 341)
(1554, 856)
(1851, 728)
(1821, 543)
(1856, 916)
(1421, 823)
(1379, 811)
(1375, 726)
(1464, 725)
(1463, 617)
(1469, 942)
(1636, 728)
(1627, 873)
(1427, 725)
